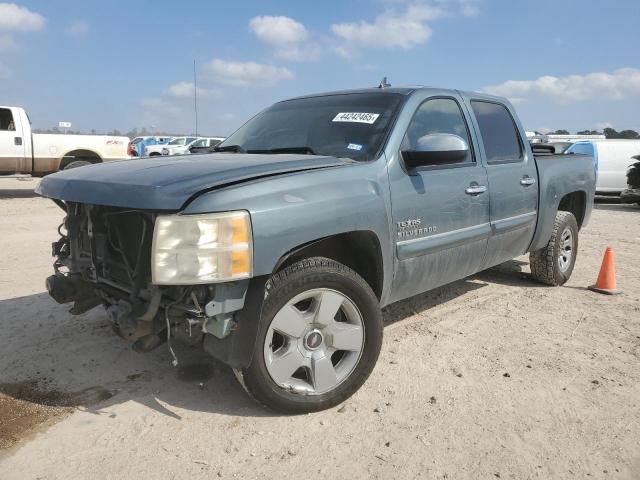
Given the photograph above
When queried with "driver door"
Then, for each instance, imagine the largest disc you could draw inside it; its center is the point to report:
(440, 212)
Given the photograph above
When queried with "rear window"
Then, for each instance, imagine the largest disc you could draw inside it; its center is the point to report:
(583, 148)
(498, 130)
(6, 120)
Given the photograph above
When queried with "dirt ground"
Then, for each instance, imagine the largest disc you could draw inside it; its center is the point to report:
(490, 377)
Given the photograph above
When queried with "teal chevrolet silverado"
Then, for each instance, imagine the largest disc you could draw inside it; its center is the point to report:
(277, 252)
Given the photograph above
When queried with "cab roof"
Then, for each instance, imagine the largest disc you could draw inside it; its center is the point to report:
(401, 89)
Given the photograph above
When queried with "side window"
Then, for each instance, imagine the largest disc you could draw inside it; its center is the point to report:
(438, 115)
(498, 130)
(6, 120)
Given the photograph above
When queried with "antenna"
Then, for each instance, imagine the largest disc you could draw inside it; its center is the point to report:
(384, 83)
(195, 96)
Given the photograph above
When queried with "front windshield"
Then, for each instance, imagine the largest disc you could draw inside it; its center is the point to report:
(347, 125)
(178, 141)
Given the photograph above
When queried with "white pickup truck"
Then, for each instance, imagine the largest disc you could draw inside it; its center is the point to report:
(22, 151)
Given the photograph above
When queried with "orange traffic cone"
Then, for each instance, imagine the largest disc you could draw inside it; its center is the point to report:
(606, 282)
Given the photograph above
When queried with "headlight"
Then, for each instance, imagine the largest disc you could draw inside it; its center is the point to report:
(192, 249)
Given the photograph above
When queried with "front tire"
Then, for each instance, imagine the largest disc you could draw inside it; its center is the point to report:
(553, 263)
(319, 338)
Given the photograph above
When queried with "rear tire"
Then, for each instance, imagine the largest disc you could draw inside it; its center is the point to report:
(76, 164)
(553, 263)
(309, 356)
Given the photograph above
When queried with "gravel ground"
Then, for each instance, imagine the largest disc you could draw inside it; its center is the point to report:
(490, 377)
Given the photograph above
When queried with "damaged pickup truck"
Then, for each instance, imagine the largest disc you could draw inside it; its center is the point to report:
(277, 252)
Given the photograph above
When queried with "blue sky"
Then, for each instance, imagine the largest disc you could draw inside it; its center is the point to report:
(104, 65)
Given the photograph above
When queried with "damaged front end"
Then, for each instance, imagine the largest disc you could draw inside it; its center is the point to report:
(104, 257)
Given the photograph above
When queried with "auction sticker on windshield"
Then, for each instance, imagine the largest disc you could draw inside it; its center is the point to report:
(357, 117)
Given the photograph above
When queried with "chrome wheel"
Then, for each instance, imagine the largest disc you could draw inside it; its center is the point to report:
(314, 342)
(565, 253)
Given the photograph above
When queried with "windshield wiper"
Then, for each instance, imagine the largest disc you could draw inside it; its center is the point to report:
(230, 148)
(307, 150)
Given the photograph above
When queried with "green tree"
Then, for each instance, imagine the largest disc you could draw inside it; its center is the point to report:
(624, 134)
(630, 134)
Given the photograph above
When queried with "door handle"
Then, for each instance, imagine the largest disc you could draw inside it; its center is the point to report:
(526, 181)
(17, 140)
(475, 189)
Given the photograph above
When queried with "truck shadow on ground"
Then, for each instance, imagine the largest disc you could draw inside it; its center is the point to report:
(613, 204)
(53, 359)
(419, 304)
(17, 193)
(617, 207)
(509, 273)
(23, 187)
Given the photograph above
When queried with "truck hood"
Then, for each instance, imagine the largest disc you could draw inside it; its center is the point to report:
(168, 183)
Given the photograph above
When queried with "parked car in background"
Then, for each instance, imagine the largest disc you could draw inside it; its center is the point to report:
(613, 158)
(137, 145)
(155, 150)
(632, 193)
(205, 145)
(180, 149)
(199, 145)
(22, 151)
(277, 253)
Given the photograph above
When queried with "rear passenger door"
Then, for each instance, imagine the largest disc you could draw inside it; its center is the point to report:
(512, 176)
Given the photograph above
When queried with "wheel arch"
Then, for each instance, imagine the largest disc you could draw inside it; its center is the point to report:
(359, 250)
(576, 203)
(80, 154)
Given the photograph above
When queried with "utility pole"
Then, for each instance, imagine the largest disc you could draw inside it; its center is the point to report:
(195, 95)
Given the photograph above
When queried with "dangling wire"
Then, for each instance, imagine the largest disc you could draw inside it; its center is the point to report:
(61, 226)
(174, 362)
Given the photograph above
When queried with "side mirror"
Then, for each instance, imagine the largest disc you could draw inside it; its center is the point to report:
(436, 149)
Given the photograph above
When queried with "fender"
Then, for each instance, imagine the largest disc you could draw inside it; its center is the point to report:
(301, 208)
(236, 350)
